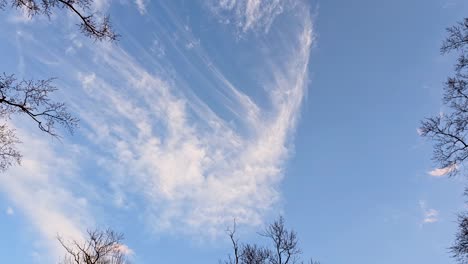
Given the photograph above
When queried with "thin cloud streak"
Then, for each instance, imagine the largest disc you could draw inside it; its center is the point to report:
(430, 215)
(160, 149)
(37, 188)
(193, 168)
(247, 15)
(141, 6)
(440, 172)
(9, 211)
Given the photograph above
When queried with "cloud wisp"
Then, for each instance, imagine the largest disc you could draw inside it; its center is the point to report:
(430, 215)
(9, 211)
(191, 166)
(247, 15)
(440, 172)
(141, 6)
(38, 188)
(156, 146)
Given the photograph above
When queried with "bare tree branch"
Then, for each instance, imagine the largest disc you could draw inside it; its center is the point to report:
(30, 98)
(92, 24)
(457, 39)
(33, 99)
(285, 248)
(235, 244)
(100, 247)
(449, 130)
(284, 242)
(460, 247)
(8, 153)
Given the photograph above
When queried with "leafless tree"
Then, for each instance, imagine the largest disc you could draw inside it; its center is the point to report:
(449, 130)
(101, 247)
(255, 254)
(460, 247)
(8, 152)
(285, 248)
(91, 23)
(235, 245)
(32, 99)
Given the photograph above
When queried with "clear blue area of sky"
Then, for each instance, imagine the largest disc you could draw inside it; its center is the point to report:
(375, 72)
(356, 186)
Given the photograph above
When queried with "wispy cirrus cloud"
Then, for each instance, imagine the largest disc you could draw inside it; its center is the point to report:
(157, 147)
(20, 17)
(440, 172)
(124, 249)
(9, 211)
(141, 6)
(192, 167)
(40, 190)
(430, 215)
(250, 14)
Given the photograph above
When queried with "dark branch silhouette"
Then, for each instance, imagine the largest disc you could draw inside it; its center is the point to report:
(284, 241)
(449, 130)
(457, 38)
(285, 248)
(235, 244)
(460, 247)
(8, 153)
(92, 24)
(100, 247)
(30, 98)
(33, 99)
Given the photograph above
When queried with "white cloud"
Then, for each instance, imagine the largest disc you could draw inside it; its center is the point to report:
(19, 47)
(439, 172)
(101, 5)
(419, 131)
(430, 215)
(192, 44)
(76, 44)
(190, 169)
(141, 5)
(250, 14)
(157, 48)
(10, 211)
(38, 190)
(124, 249)
(195, 171)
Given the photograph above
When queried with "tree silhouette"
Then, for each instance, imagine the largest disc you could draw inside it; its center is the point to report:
(284, 247)
(91, 23)
(100, 247)
(32, 99)
(449, 129)
(460, 247)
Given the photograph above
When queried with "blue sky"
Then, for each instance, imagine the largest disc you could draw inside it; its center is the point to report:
(206, 111)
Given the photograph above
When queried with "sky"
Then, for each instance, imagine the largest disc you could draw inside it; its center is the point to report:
(209, 111)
